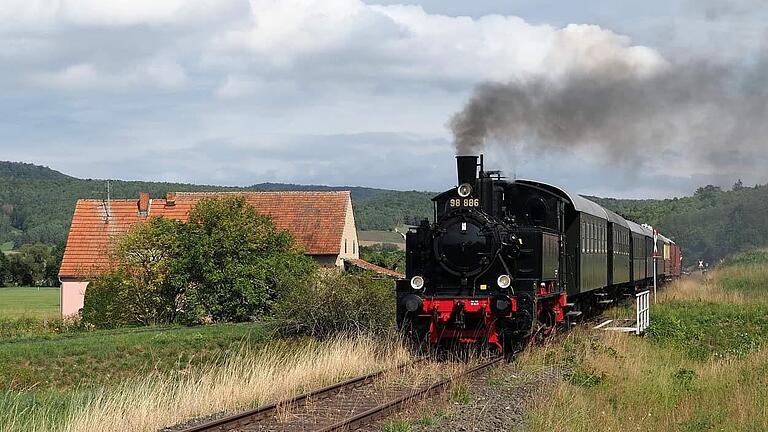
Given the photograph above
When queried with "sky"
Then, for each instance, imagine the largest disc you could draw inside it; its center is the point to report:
(339, 92)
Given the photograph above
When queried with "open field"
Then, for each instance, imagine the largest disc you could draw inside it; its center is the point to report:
(70, 360)
(247, 377)
(701, 367)
(16, 302)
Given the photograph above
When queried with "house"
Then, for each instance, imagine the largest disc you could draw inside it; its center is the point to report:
(322, 222)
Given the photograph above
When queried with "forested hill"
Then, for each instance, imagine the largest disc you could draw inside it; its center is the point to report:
(36, 205)
(709, 225)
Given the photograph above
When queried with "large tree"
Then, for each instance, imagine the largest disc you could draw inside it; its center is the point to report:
(238, 261)
(229, 263)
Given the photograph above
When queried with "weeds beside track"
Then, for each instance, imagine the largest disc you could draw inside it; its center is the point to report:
(344, 406)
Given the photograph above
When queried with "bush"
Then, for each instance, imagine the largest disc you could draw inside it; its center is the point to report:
(108, 302)
(12, 329)
(238, 263)
(337, 303)
(748, 258)
(228, 264)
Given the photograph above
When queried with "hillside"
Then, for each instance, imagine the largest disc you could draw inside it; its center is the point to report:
(709, 225)
(36, 205)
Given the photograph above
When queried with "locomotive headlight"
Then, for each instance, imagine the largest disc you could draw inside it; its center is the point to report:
(465, 190)
(504, 281)
(417, 282)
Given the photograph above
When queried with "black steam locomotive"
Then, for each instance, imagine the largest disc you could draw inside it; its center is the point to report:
(505, 261)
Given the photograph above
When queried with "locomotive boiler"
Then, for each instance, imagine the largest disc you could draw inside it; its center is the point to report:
(504, 261)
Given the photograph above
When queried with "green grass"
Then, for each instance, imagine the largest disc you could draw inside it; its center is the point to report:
(71, 360)
(29, 302)
(380, 236)
(702, 367)
(7, 246)
(396, 425)
(709, 330)
(758, 256)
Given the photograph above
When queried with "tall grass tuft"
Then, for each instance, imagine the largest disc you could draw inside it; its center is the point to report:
(247, 379)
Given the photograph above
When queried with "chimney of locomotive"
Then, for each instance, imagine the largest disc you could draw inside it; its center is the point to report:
(466, 167)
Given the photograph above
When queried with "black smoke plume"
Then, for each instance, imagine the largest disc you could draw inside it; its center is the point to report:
(702, 113)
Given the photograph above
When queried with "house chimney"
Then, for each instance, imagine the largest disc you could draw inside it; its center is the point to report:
(143, 204)
(170, 199)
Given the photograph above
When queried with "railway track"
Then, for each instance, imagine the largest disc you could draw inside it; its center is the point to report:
(345, 406)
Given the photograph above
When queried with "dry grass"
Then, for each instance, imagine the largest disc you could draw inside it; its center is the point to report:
(247, 379)
(701, 289)
(616, 382)
(622, 384)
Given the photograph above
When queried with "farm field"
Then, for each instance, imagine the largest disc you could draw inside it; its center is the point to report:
(30, 302)
(76, 359)
(239, 376)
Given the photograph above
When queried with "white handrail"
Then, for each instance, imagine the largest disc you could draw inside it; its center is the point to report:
(642, 311)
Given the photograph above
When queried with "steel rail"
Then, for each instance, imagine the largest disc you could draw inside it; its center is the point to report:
(251, 416)
(394, 405)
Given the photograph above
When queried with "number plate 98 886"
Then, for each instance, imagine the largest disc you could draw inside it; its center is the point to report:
(464, 202)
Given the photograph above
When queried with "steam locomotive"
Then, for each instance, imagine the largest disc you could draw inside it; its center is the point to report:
(505, 261)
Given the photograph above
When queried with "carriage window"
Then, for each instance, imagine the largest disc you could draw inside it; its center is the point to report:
(604, 239)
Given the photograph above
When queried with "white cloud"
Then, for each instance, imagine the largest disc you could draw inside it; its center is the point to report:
(86, 77)
(49, 15)
(348, 38)
(92, 44)
(238, 69)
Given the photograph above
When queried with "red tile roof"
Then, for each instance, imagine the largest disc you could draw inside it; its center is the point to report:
(316, 220)
(374, 268)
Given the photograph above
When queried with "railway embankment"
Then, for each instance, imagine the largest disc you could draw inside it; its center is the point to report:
(700, 367)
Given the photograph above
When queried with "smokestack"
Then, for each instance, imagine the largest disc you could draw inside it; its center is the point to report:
(170, 199)
(466, 167)
(143, 204)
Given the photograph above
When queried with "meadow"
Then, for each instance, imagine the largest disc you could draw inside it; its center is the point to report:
(62, 375)
(703, 364)
(29, 302)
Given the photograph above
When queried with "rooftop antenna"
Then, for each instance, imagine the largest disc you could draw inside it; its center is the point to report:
(107, 204)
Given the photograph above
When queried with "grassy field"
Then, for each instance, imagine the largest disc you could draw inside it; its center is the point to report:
(60, 375)
(702, 366)
(76, 359)
(244, 378)
(17, 302)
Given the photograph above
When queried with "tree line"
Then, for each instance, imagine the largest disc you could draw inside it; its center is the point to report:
(36, 206)
(32, 265)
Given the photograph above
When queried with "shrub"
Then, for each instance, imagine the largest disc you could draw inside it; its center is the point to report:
(752, 257)
(228, 264)
(238, 263)
(337, 303)
(108, 302)
(12, 329)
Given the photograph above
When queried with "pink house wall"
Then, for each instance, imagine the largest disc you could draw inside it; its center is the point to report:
(72, 297)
